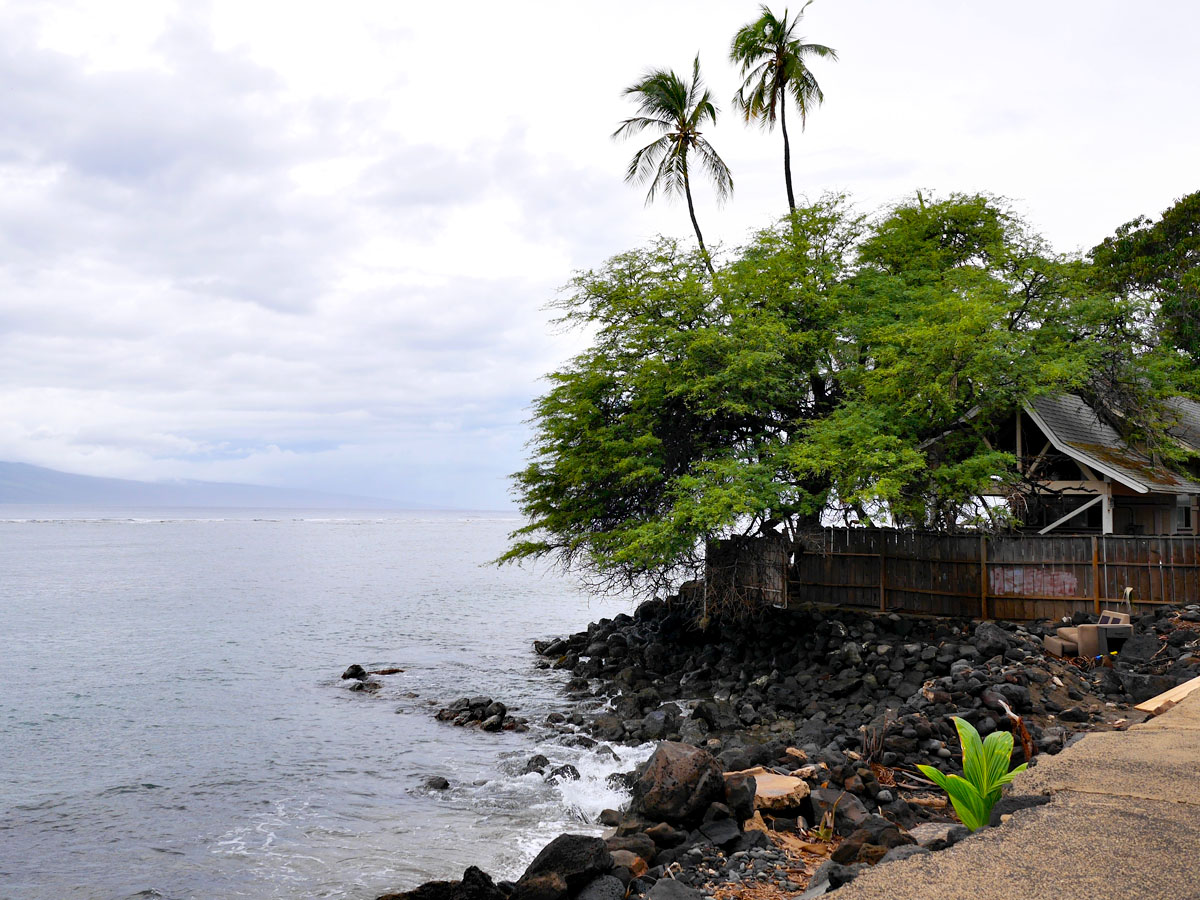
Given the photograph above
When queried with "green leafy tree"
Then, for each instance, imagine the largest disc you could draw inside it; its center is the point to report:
(674, 427)
(829, 366)
(956, 314)
(1154, 268)
(678, 109)
(774, 68)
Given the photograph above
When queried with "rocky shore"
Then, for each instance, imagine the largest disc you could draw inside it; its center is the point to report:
(787, 745)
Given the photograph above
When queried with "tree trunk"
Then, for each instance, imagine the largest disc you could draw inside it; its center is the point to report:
(787, 154)
(687, 189)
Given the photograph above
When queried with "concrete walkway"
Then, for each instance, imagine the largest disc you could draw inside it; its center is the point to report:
(1124, 822)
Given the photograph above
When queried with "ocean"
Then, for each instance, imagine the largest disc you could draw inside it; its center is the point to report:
(173, 723)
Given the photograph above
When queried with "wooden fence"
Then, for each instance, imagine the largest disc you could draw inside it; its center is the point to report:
(986, 576)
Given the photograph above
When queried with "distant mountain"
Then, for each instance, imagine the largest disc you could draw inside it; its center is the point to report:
(26, 484)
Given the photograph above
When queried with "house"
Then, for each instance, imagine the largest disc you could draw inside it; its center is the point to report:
(1082, 477)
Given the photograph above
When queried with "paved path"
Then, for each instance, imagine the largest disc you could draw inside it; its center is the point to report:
(1124, 823)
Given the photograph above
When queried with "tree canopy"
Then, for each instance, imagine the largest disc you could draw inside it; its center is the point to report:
(1155, 267)
(834, 364)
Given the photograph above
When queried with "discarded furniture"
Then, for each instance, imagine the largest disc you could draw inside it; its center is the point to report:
(1090, 641)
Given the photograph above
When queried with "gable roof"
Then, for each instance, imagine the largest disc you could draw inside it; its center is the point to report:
(1187, 429)
(1075, 430)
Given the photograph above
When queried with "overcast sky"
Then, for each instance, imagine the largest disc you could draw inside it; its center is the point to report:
(311, 244)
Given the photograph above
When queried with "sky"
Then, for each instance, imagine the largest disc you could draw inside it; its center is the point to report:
(312, 245)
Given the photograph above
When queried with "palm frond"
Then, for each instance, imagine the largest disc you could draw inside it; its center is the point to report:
(718, 171)
(671, 175)
(772, 64)
(638, 124)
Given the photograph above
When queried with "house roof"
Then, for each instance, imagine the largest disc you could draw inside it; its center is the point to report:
(1187, 429)
(1075, 430)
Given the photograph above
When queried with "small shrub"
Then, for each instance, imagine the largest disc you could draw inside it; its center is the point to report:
(985, 773)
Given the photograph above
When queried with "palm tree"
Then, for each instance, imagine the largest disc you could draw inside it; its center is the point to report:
(678, 109)
(773, 66)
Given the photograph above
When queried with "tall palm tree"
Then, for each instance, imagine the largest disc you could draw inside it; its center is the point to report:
(676, 108)
(773, 65)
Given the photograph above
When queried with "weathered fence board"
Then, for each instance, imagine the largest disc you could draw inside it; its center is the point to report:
(747, 572)
(994, 576)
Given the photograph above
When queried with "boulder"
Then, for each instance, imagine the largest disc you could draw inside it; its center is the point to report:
(665, 836)
(1138, 649)
(677, 784)
(602, 887)
(991, 640)
(608, 728)
(656, 725)
(750, 840)
(495, 708)
(575, 858)
(1143, 687)
(755, 823)
(829, 877)
(566, 772)
(475, 885)
(547, 886)
(358, 672)
(639, 844)
(849, 811)
(740, 791)
(721, 832)
(537, 763)
(875, 832)
(670, 889)
(934, 835)
(631, 862)
(1074, 714)
(774, 792)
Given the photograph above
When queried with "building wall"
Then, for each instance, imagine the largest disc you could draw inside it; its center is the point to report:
(1146, 514)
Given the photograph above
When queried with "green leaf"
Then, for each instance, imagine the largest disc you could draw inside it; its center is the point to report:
(973, 763)
(963, 795)
(997, 751)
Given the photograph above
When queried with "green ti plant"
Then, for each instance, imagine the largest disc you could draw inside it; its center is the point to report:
(985, 773)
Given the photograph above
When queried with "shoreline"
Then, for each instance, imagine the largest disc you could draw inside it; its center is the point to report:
(801, 695)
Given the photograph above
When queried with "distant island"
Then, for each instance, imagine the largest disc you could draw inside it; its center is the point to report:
(21, 483)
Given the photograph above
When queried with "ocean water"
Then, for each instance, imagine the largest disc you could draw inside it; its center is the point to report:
(173, 723)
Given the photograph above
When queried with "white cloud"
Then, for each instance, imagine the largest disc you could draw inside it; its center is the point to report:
(310, 245)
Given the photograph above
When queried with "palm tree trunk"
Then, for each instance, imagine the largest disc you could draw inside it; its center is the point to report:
(687, 190)
(787, 155)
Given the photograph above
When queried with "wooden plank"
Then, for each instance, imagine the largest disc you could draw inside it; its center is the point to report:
(1156, 706)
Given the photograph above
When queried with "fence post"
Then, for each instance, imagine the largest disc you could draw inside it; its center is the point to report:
(1096, 573)
(882, 571)
(983, 577)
